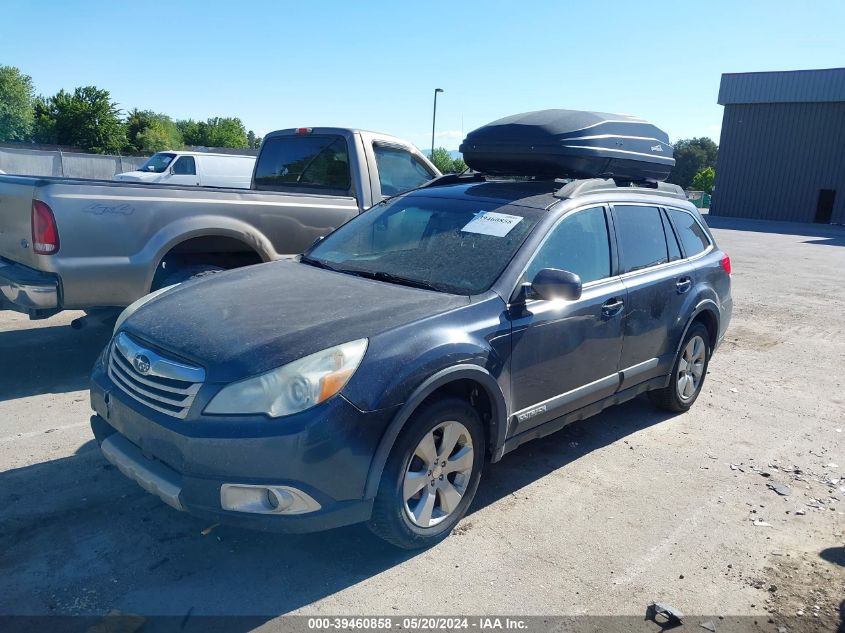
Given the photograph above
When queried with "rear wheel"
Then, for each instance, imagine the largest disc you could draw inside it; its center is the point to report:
(688, 373)
(431, 476)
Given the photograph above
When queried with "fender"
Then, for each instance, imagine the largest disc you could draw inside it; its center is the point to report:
(705, 305)
(477, 373)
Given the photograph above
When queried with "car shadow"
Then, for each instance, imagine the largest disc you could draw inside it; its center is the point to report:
(825, 234)
(109, 545)
(52, 359)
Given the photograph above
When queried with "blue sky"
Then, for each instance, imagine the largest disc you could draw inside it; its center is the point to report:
(375, 64)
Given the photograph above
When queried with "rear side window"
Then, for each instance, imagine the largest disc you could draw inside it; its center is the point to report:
(671, 239)
(579, 244)
(642, 242)
(399, 170)
(693, 237)
(304, 162)
(185, 166)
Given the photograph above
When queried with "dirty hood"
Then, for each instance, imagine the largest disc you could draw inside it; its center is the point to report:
(247, 321)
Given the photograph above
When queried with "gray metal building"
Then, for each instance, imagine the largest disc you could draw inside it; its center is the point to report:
(782, 149)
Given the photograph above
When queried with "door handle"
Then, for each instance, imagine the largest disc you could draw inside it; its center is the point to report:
(612, 307)
(683, 285)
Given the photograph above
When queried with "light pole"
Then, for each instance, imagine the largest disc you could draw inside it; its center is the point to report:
(433, 120)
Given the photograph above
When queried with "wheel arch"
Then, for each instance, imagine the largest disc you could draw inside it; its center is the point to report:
(446, 380)
(183, 244)
(707, 313)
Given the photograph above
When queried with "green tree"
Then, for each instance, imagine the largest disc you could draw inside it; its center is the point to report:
(459, 166)
(252, 140)
(159, 135)
(214, 132)
(16, 104)
(136, 122)
(442, 159)
(148, 131)
(44, 122)
(226, 132)
(692, 156)
(86, 118)
(703, 180)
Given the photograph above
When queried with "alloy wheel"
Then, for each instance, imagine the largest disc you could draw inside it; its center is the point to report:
(691, 368)
(438, 474)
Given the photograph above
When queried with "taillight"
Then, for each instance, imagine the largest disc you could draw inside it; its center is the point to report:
(303, 130)
(45, 235)
(726, 264)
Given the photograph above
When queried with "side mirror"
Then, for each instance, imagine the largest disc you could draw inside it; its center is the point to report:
(551, 283)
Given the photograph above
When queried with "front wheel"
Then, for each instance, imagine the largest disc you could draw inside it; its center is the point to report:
(431, 475)
(688, 372)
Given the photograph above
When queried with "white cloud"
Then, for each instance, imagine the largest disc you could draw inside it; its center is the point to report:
(449, 134)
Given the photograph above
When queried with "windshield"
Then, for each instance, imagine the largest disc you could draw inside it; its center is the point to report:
(457, 246)
(157, 163)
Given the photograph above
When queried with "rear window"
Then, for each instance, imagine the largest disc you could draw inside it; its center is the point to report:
(308, 162)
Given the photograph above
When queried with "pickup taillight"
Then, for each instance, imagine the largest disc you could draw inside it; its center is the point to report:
(45, 234)
(726, 264)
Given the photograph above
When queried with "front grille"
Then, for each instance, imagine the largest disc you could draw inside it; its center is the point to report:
(163, 384)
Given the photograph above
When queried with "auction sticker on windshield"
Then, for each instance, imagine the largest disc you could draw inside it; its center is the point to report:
(492, 223)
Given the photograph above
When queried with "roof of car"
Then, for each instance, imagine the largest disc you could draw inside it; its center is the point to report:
(535, 194)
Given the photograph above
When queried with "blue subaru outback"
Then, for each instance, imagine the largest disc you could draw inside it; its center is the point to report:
(371, 378)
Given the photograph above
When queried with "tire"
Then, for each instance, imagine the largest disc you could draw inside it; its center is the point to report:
(181, 275)
(685, 384)
(425, 518)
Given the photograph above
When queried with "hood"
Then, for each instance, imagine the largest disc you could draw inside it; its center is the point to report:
(138, 176)
(250, 320)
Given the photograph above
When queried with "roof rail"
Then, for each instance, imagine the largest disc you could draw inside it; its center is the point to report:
(593, 185)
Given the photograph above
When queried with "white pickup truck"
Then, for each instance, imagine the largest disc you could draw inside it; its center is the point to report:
(84, 245)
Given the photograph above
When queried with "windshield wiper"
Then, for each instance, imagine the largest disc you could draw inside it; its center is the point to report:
(396, 279)
(317, 263)
(370, 274)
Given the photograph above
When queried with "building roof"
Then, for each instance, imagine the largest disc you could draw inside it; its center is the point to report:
(792, 86)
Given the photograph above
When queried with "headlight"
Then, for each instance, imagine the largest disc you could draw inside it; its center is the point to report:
(133, 307)
(294, 387)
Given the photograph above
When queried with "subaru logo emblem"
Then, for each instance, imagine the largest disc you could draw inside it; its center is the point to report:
(142, 363)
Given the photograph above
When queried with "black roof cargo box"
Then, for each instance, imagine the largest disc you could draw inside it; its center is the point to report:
(570, 144)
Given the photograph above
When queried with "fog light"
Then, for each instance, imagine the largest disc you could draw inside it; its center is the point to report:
(266, 499)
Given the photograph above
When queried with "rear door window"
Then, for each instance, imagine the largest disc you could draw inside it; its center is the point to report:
(642, 242)
(399, 170)
(308, 162)
(693, 237)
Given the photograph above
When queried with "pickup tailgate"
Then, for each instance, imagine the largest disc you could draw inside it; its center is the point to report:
(16, 193)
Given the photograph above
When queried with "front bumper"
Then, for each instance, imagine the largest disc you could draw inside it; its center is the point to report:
(326, 453)
(27, 290)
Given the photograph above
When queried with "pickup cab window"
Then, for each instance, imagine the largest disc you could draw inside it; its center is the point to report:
(157, 163)
(307, 162)
(398, 169)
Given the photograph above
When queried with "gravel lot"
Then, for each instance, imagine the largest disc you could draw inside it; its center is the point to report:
(610, 514)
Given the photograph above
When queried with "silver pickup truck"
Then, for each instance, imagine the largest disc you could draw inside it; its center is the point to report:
(89, 244)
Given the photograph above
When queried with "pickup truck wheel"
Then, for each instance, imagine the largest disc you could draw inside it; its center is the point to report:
(431, 475)
(688, 372)
(184, 274)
